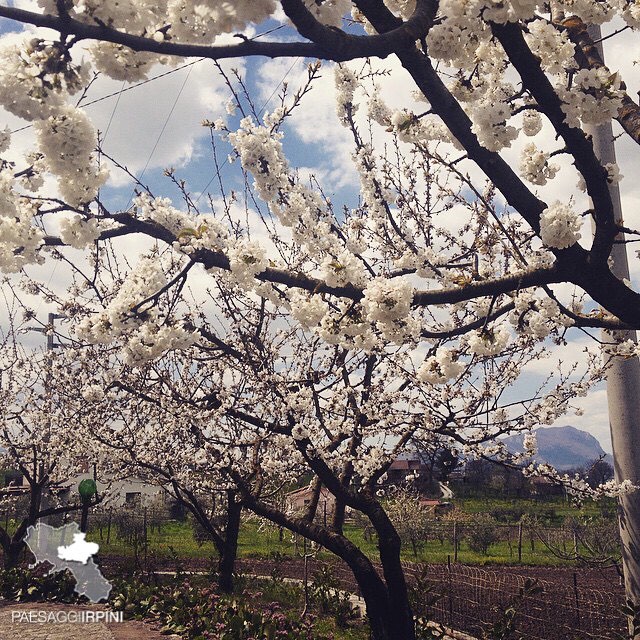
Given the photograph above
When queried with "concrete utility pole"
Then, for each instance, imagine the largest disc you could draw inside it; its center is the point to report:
(48, 331)
(623, 385)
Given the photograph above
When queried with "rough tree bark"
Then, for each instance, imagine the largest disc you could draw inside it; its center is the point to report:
(387, 602)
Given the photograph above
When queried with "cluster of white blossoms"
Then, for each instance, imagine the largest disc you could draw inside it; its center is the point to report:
(535, 166)
(346, 84)
(594, 98)
(346, 326)
(121, 63)
(129, 318)
(308, 310)
(78, 232)
(153, 340)
(559, 226)
(531, 123)
(370, 188)
(553, 47)
(297, 207)
(93, 393)
(386, 301)
(345, 268)
(67, 141)
(625, 349)
(145, 280)
(490, 116)
(20, 240)
(530, 444)
(410, 128)
(489, 341)
(577, 486)
(192, 233)
(247, 259)
(260, 152)
(537, 315)
(35, 78)
(370, 460)
(441, 367)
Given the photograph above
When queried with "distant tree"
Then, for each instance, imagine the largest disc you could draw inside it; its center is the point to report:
(446, 461)
(598, 472)
(595, 472)
(482, 533)
(478, 474)
(411, 518)
(31, 429)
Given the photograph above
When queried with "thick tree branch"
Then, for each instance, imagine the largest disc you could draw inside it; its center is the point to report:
(578, 144)
(576, 263)
(334, 45)
(215, 259)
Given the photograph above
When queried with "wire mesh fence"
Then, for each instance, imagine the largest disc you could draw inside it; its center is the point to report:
(574, 603)
(471, 599)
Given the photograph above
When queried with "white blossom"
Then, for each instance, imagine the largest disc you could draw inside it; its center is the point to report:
(559, 226)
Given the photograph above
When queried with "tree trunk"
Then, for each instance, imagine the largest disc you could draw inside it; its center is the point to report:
(389, 545)
(229, 548)
(385, 621)
(12, 554)
(387, 601)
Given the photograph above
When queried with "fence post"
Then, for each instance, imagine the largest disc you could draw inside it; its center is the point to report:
(455, 542)
(450, 589)
(520, 542)
(575, 593)
(109, 527)
(575, 546)
(146, 541)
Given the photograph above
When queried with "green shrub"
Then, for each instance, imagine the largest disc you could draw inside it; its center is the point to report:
(27, 585)
(326, 593)
(200, 613)
(482, 533)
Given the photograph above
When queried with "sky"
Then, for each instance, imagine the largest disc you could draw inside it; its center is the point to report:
(157, 125)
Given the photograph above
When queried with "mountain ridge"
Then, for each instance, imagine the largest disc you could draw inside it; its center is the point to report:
(564, 448)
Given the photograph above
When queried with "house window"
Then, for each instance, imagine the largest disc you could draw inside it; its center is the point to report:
(133, 499)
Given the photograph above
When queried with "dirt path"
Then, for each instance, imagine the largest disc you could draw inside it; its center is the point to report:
(19, 620)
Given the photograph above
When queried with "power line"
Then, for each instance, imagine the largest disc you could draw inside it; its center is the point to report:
(113, 113)
(156, 77)
(260, 111)
(164, 126)
(133, 86)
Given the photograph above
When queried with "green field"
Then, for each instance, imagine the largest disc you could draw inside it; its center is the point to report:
(173, 539)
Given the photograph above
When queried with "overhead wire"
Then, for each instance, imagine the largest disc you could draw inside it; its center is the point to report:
(260, 112)
(113, 113)
(129, 88)
(164, 127)
(152, 78)
(189, 65)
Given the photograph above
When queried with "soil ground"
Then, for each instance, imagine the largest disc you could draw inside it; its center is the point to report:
(11, 628)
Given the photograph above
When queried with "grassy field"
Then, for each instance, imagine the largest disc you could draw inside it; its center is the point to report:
(176, 539)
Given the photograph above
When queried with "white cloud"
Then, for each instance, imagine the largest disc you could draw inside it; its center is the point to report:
(594, 418)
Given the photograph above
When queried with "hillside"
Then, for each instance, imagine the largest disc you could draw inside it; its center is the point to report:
(563, 447)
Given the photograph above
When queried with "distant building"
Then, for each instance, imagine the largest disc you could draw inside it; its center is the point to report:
(128, 493)
(298, 500)
(401, 468)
